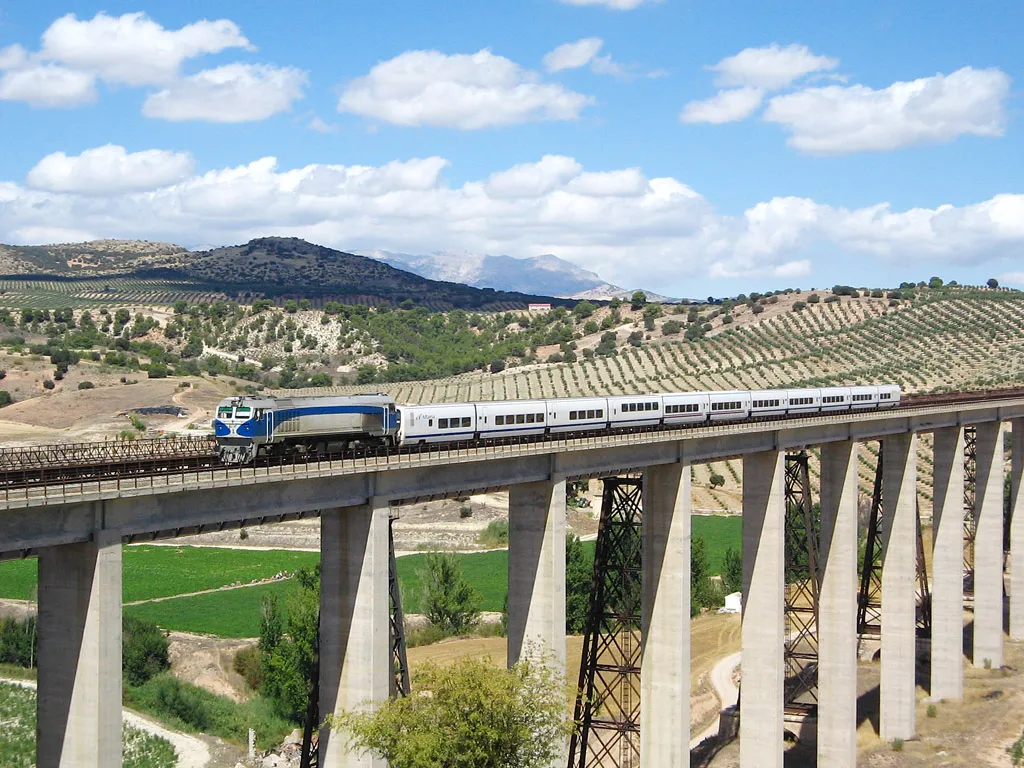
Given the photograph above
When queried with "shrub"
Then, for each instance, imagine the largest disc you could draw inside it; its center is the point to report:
(495, 535)
(143, 650)
(799, 306)
(157, 371)
(86, 385)
(248, 662)
(465, 511)
(757, 309)
(449, 600)
(831, 299)
(932, 711)
(48, 384)
(671, 328)
(497, 366)
(813, 298)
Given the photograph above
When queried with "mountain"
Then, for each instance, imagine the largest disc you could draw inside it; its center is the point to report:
(546, 274)
(280, 267)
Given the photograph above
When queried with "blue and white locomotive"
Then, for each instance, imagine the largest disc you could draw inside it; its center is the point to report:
(246, 427)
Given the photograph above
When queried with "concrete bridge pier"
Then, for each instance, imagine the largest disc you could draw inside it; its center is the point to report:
(837, 612)
(988, 547)
(897, 719)
(1017, 531)
(536, 571)
(665, 670)
(355, 658)
(762, 632)
(947, 647)
(78, 709)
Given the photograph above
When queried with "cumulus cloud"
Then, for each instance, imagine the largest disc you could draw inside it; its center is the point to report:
(467, 91)
(133, 49)
(631, 229)
(724, 107)
(318, 124)
(110, 170)
(1011, 278)
(234, 93)
(771, 67)
(48, 86)
(615, 5)
(839, 119)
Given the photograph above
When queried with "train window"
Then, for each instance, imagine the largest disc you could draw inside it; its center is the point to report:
(572, 415)
(499, 420)
(442, 423)
(466, 421)
(242, 413)
(884, 396)
(520, 418)
(430, 423)
(600, 413)
(540, 418)
(591, 414)
(530, 418)
(223, 413)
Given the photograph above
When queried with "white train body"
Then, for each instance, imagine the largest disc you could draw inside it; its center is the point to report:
(248, 426)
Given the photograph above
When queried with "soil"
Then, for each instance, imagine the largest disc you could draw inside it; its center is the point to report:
(208, 662)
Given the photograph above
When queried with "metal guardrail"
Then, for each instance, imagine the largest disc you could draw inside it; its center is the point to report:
(104, 452)
(435, 455)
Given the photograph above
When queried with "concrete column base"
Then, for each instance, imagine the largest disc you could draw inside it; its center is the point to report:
(78, 707)
(988, 548)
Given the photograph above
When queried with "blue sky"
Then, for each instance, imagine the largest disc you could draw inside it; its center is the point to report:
(692, 148)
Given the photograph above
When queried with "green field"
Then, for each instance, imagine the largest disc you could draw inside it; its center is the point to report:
(151, 572)
(164, 571)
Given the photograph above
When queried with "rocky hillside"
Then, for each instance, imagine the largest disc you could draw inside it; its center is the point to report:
(97, 257)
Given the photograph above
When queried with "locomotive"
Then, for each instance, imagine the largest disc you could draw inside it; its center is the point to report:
(249, 426)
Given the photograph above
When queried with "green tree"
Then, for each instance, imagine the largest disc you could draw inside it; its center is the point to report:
(700, 575)
(732, 570)
(936, 282)
(288, 668)
(992, 283)
(637, 300)
(449, 600)
(470, 714)
(271, 623)
(583, 310)
(143, 650)
(578, 571)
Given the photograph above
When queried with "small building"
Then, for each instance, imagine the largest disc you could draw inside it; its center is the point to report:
(733, 603)
(539, 307)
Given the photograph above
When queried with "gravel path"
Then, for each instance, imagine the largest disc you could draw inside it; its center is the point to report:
(192, 752)
(728, 693)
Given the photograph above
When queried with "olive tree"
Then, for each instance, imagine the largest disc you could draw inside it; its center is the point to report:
(470, 714)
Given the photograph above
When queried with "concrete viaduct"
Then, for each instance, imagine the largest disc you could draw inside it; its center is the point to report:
(76, 531)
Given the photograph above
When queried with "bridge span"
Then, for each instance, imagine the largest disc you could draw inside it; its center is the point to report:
(76, 528)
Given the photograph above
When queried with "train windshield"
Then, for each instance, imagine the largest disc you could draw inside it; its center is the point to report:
(243, 413)
(224, 413)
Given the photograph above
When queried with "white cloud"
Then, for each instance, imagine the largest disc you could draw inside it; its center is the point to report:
(572, 55)
(725, 107)
(110, 170)
(772, 67)
(631, 229)
(12, 56)
(316, 123)
(132, 48)
(234, 93)
(48, 86)
(615, 5)
(479, 90)
(837, 119)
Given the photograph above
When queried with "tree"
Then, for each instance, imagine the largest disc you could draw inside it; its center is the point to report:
(366, 373)
(671, 328)
(497, 365)
(449, 600)
(5, 398)
(732, 570)
(992, 283)
(716, 480)
(578, 572)
(288, 668)
(700, 575)
(583, 310)
(143, 650)
(799, 306)
(935, 282)
(470, 714)
(757, 309)
(637, 300)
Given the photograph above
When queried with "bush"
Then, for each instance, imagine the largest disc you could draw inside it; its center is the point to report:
(497, 366)
(799, 306)
(831, 299)
(248, 662)
(449, 600)
(48, 384)
(86, 385)
(671, 328)
(813, 298)
(495, 535)
(157, 371)
(143, 650)
(757, 309)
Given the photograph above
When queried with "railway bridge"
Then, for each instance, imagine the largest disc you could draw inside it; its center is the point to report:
(75, 524)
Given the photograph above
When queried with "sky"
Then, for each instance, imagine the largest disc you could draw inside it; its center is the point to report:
(688, 147)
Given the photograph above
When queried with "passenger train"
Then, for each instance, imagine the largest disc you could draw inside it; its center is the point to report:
(249, 426)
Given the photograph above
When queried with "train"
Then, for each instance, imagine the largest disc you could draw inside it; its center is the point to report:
(248, 426)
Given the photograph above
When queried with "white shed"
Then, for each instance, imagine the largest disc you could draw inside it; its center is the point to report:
(733, 603)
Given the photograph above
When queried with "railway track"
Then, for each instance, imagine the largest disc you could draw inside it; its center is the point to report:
(83, 462)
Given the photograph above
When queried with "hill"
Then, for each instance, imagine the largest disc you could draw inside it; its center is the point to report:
(546, 274)
(274, 267)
